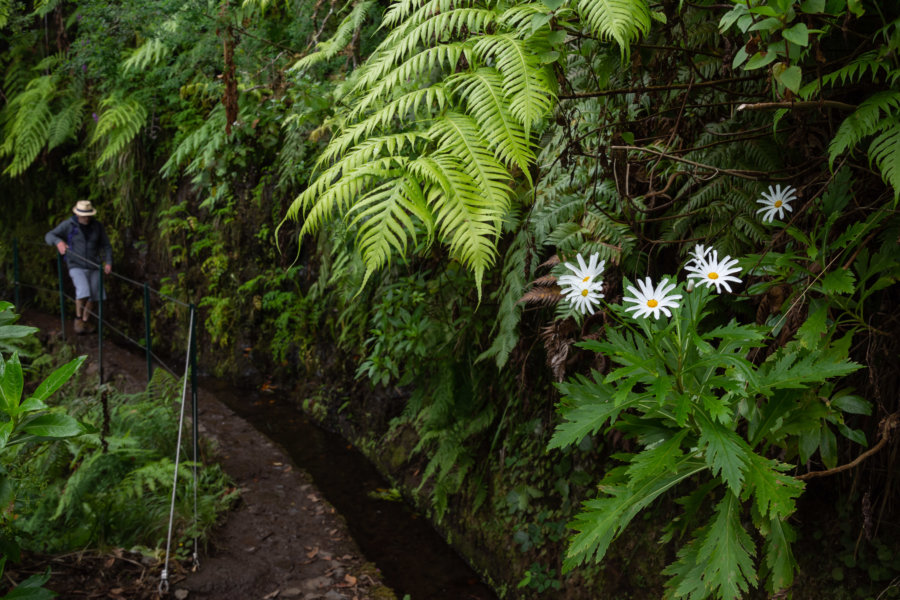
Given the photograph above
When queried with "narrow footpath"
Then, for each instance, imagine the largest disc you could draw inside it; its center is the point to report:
(283, 540)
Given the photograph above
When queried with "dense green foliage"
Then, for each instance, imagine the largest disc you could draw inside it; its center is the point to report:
(83, 473)
(451, 157)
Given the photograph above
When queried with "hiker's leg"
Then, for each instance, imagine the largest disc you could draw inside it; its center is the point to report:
(82, 296)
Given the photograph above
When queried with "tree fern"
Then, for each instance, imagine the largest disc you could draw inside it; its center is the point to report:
(121, 120)
(444, 106)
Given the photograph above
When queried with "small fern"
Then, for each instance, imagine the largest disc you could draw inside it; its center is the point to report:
(149, 54)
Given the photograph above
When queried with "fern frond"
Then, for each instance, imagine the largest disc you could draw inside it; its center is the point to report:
(384, 220)
(524, 82)
(465, 221)
(118, 124)
(29, 126)
(209, 136)
(65, 123)
(150, 53)
(458, 135)
(415, 69)
(5, 9)
(341, 194)
(343, 35)
(885, 153)
(623, 21)
(405, 108)
(483, 95)
(863, 122)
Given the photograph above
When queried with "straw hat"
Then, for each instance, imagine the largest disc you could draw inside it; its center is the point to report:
(83, 208)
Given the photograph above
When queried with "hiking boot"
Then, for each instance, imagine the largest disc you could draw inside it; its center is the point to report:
(79, 326)
(89, 327)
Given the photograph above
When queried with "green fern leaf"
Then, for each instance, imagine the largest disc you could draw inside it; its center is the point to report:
(117, 125)
(885, 152)
(483, 94)
(623, 21)
(150, 53)
(29, 127)
(65, 123)
(524, 80)
(863, 122)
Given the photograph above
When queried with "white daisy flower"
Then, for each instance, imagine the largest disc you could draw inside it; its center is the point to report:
(777, 201)
(584, 296)
(650, 300)
(712, 271)
(582, 288)
(699, 253)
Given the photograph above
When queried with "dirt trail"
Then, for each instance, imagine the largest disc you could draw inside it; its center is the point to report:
(282, 541)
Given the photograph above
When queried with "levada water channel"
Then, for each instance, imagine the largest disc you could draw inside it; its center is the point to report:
(411, 555)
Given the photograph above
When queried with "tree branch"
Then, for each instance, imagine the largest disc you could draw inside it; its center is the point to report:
(660, 88)
(810, 104)
(887, 424)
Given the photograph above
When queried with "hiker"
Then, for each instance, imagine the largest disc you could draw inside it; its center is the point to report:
(90, 247)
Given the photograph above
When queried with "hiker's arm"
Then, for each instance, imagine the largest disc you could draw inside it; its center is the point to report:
(54, 237)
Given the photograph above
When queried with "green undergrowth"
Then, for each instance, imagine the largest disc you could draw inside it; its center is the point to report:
(111, 487)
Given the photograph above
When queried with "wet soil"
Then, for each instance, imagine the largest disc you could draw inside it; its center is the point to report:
(284, 540)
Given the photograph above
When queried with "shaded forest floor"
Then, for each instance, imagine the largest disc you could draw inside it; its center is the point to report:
(282, 540)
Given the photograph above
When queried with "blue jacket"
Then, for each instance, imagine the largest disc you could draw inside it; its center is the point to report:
(84, 241)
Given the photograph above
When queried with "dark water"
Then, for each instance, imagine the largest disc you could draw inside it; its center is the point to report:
(411, 556)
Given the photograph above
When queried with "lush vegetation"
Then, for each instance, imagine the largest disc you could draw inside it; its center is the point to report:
(451, 157)
(90, 468)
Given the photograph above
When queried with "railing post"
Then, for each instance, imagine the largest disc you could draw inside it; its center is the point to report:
(100, 328)
(147, 331)
(62, 295)
(195, 417)
(193, 351)
(17, 299)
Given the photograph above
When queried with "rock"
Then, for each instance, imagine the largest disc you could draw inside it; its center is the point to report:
(333, 595)
(317, 583)
(181, 594)
(291, 592)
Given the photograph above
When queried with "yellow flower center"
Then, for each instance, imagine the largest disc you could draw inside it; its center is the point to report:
(652, 303)
(584, 292)
(778, 203)
(586, 279)
(713, 275)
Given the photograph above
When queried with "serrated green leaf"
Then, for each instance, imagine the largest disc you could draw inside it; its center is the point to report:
(780, 562)
(773, 492)
(602, 519)
(814, 328)
(662, 457)
(726, 453)
(718, 562)
(840, 281)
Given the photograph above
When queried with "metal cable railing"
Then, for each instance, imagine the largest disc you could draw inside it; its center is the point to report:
(190, 371)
